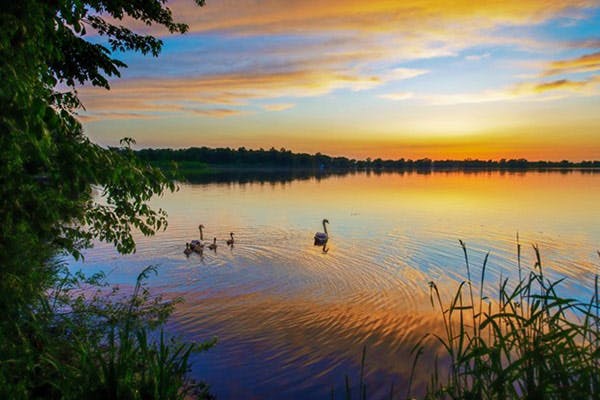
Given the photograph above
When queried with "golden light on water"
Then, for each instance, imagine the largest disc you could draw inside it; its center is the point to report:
(293, 318)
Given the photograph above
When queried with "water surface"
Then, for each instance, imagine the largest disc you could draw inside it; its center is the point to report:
(292, 319)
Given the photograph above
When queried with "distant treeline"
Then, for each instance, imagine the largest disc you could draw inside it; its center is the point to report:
(273, 158)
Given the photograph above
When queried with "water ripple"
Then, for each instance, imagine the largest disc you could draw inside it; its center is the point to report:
(292, 318)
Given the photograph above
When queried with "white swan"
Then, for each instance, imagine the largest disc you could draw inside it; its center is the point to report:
(198, 244)
(322, 237)
(213, 245)
(230, 241)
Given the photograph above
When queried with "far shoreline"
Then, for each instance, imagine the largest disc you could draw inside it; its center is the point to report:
(198, 159)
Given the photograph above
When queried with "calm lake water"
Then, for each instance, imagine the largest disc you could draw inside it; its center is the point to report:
(292, 320)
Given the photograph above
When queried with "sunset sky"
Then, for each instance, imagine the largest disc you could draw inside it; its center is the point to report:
(379, 78)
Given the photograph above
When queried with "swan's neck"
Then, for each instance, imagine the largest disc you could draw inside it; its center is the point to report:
(201, 238)
(231, 234)
(324, 227)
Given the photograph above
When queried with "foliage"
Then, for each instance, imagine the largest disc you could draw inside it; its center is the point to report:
(282, 158)
(50, 172)
(101, 346)
(48, 165)
(530, 343)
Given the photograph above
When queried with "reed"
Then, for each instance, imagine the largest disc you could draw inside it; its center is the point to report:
(76, 345)
(529, 342)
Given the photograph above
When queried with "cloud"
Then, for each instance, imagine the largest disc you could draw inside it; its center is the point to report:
(477, 57)
(397, 96)
(485, 96)
(278, 106)
(585, 86)
(186, 94)
(397, 74)
(181, 95)
(272, 16)
(590, 43)
(292, 49)
(347, 30)
(559, 85)
(101, 116)
(216, 112)
(584, 63)
(530, 91)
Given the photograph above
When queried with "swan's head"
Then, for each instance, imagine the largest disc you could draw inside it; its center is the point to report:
(325, 221)
(230, 233)
(200, 226)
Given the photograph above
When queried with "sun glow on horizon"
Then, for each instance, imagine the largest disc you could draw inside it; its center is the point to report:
(377, 79)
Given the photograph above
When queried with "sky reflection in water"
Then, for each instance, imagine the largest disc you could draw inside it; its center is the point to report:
(292, 320)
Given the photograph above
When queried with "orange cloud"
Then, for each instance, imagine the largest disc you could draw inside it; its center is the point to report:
(101, 116)
(216, 112)
(382, 29)
(278, 107)
(180, 95)
(585, 63)
(586, 86)
(268, 16)
(524, 91)
(350, 44)
(559, 84)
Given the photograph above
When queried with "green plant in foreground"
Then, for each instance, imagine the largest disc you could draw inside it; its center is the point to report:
(100, 347)
(529, 343)
(129, 362)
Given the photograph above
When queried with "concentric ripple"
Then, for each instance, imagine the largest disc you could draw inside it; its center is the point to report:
(292, 318)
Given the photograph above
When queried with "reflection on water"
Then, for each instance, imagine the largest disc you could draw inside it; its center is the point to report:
(292, 317)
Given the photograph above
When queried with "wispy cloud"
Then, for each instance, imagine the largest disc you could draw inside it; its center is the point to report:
(585, 63)
(190, 94)
(589, 43)
(271, 16)
(477, 57)
(278, 106)
(284, 49)
(585, 86)
(531, 91)
(560, 84)
(485, 96)
(216, 112)
(101, 116)
(397, 74)
(397, 96)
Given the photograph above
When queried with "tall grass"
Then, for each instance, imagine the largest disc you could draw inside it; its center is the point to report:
(76, 345)
(529, 342)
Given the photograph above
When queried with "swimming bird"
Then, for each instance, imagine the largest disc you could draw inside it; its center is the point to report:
(230, 241)
(322, 237)
(198, 243)
(213, 245)
(188, 250)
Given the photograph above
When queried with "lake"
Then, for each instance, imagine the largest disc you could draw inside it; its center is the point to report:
(292, 318)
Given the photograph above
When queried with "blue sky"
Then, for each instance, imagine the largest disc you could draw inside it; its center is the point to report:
(382, 78)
